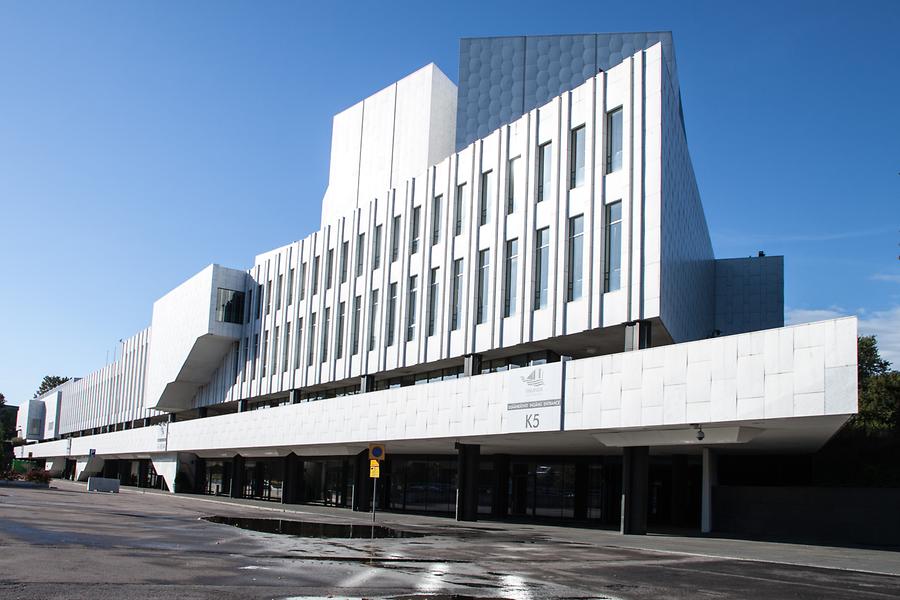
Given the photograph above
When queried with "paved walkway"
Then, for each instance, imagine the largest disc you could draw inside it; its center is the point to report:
(867, 560)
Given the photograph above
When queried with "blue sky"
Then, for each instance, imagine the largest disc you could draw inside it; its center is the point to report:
(137, 138)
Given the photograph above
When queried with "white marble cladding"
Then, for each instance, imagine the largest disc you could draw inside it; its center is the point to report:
(800, 371)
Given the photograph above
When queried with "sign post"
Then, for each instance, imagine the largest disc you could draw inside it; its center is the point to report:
(376, 455)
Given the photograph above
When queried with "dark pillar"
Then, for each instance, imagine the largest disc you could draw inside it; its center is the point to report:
(500, 495)
(202, 412)
(200, 476)
(472, 365)
(635, 474)
(237, 476)
(366, 384)
(172, 417)
(243, 405)
(143, 472)
(129, 424)
(582, 486)
(637, 335)
(292, 480)
(147, 422)
(680, 490)
(469, 455)
(295, 397)
(362, 497)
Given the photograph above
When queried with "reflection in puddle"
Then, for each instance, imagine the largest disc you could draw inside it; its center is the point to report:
(312, 529)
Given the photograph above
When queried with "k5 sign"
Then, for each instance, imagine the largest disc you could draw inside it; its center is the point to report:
(533, 399)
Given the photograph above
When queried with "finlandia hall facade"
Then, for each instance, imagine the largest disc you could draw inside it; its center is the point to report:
(513, 289)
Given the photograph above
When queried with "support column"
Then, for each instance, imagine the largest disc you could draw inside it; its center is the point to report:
(243, 405)
(294, 398)
(637, 335)
(237, 477)
(362, 495)
(500, 504)
(366, 384)
(680, 490)
(292, 479)
(467, 481)
(472, 365)
(172, 417)
(710, 480)
(635, 473)
(147, 422)
(582, 490)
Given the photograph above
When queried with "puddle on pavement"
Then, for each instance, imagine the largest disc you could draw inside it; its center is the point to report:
(313, 529)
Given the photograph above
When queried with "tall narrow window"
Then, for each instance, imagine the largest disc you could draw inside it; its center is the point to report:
(456, 294)
(576, 157)
(391, 316)
(329, 268)
(487, 195)
(264, 354)
(512, 179)
(345, 248)
(459, 208)
(275, 340)
(436, 219)
(311, 340)
(259, 300)
(229, 306)
(414, 231)
(612, 272)
(510, 277)
(545, 171)
(411, 308)
(302, 293)
(326, 324)
(255, 356)
(614, 140)
(285, 353)
(395, 239)
(541, 267)
(278, 286)
(246, 358)
(339, 335)
(249, 303)
(373, 314)
(376, 248)
(360, 252)
(432, 299)
(315, 276)
(484, 268)
(268, 296)
(576, 258)
(297, 342)
(354, 327)
(290, 287)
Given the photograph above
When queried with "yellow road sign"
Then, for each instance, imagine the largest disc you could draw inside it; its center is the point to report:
(374, 469)
(376, 452)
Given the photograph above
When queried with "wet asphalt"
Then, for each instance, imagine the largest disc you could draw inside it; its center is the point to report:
(66, 543)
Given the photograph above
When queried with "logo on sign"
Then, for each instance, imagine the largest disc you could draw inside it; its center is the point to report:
(534, 382)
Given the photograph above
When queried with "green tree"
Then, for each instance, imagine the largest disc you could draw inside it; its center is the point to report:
(879, 391)
(48, 383)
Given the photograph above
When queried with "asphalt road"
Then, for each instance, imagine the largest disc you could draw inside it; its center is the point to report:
(66, 543)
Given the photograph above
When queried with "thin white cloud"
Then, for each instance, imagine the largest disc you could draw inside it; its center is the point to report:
(823, 236)
(891, 277)
(883, 324)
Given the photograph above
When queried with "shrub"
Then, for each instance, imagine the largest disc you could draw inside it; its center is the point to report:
(38, 476)
(10, 475)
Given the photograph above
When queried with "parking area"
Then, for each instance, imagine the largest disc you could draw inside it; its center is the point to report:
(67, 543)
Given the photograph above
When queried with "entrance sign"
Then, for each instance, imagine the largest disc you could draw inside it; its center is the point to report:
(534, 399)
(374, 469)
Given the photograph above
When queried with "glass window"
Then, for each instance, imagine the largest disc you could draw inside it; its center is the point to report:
(229, 306)
(287, 347)
(459, 209)
(259, 300)
(275, 340)
(576, 157)
(268, 296)
(315, 276)
(249, 303)
(436, 219)
(512, 178)
(484, 267)
(360, 252)
(329, 268)
(354, 333)
(411, 308)
(576, 258)
(255, 355)
(302, 293)
(376, 248)
(246, 358)
(414, 231)
(392, 314)
(339, 334)
(612, 278)
(541, 268)
(345, 248)
(395, 239)
(297, 343)
(311, 340)
(278, 286)
(290, 287)
(373, 313)
(545, 170)
(432, 299)
(487, 195)
(326, 324)
(510, 278)
(457, 294)
(614, 140)
(264, 354)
